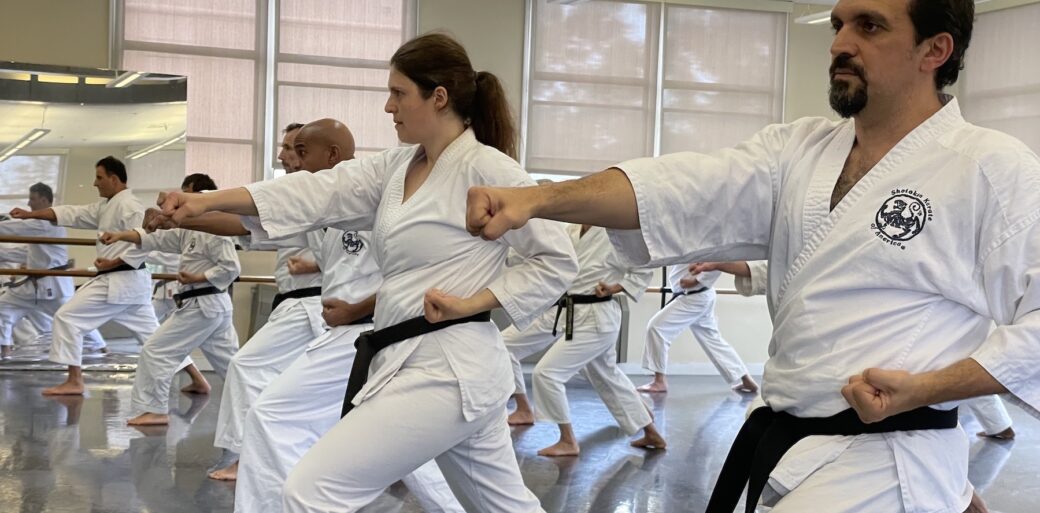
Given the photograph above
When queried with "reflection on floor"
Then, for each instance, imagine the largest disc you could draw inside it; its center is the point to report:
(77, 455)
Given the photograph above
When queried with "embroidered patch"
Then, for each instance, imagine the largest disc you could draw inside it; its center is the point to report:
(902, 217)
(191, 244)
(352, 243)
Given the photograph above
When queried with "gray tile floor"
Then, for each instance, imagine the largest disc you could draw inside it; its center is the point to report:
(77, 454)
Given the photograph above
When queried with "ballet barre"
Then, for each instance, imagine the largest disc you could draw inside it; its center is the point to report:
(82, 273)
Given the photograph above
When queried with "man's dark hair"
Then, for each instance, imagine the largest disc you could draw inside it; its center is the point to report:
(955, 17)
(199, 182)
(292, 126)
(113, 166)
(42, 190)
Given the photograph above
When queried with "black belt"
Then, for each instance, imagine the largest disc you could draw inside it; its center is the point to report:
(295, 294)
(120, 268)
(566, 304)
(370, 343)
(180, 297)
(34, 279)
(677, 295)
(767, 435)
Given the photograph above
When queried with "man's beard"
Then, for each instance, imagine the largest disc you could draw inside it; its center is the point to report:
(846, 99)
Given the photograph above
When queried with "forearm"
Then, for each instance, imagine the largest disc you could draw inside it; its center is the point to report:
(46, 214)
(604, 199)
(962, 380)
(131, 236)
(231, 201)
(482, 301)
(217, 223)
(367, 307)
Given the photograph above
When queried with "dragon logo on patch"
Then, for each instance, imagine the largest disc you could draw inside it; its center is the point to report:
(902, 217)
(352, 243)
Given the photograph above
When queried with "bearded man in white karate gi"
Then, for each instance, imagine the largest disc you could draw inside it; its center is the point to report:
(895, 238)
(121, 292)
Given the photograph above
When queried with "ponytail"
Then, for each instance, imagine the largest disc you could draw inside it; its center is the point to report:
(491, 118)
(436, 59)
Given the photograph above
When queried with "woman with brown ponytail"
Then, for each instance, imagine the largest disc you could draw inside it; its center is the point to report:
(432, 380)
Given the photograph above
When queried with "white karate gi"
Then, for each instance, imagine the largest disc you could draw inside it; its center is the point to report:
(37, 298)
(279, 342)
(989, 410)
(907, 272)
(441, 395)
(204, 322)
(695, 311)
(122, 297)
(163, 290)
(593, 350)
(305, 401)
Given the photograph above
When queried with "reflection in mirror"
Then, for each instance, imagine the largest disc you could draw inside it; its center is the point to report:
(55, 123)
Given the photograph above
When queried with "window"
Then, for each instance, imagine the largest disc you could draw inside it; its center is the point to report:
(1000, 84)
(327, 59)
(332, 62)
(19, 172)
(605, 84)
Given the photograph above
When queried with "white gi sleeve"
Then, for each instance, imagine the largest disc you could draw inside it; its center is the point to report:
(1011, 280)
(14, 253)
(345, 197)
(134, 256)
(548, 264)
(78, 216)
(706, 207)
(755, 285)
(635, 279)
(259, 240)
(25, 227)
(227, 268)
(160, 241)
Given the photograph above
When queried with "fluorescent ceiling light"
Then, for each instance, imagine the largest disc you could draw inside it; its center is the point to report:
(125, 79)
(815, 18)
(155, 147)
(27, 139)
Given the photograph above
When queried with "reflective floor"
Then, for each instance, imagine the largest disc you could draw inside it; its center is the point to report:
(77, 454)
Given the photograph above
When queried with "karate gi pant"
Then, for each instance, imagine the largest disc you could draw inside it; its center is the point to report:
(163, 308)
(295, 410)
(279, 342)
(866, 478)
(166, 352)
(85, 312)
(40, 313)
(991, 413)
(416, 417)
(592, 353)
(696, 312)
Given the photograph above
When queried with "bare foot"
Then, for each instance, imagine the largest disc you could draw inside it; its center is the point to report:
(202, 388)
(229, 473)
(149, 419)
(651, 439)
(976, 506)
(747, 385)
(653, 387)
(520, 418)
(66, 388)
(561, 448)
(1007, 434)
(6, 352)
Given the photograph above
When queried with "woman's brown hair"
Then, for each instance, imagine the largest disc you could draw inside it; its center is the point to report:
(436, 59)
